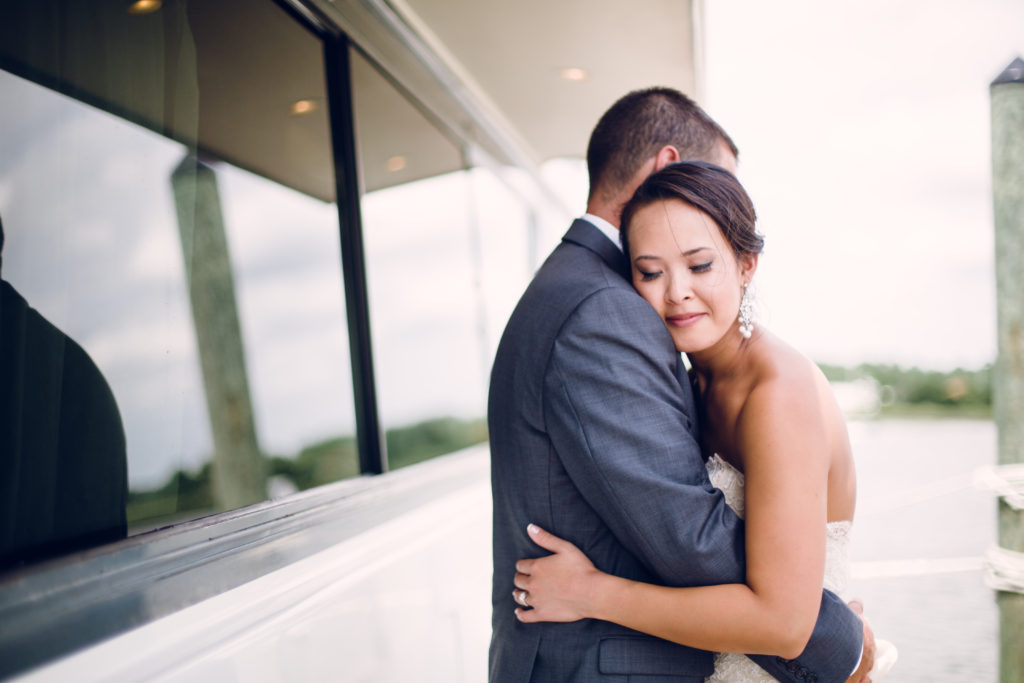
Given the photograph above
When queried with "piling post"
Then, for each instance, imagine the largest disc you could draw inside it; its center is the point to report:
(239, 476)
(1007, 101)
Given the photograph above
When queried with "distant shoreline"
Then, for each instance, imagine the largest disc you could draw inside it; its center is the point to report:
(930, 411)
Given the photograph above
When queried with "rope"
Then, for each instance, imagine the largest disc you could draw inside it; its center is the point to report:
(1006, 481)
(1004, 570)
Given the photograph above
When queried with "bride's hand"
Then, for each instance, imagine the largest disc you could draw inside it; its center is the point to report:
(557, 587)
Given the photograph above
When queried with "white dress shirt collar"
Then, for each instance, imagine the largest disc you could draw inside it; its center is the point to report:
(609, 230)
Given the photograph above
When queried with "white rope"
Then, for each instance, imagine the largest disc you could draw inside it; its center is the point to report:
(1004, 570)
(1006, 481)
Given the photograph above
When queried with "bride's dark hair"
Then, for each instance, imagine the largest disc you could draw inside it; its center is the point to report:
(706, 187)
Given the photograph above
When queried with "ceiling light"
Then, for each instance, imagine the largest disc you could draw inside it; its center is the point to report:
(396, 164)
(303, 107)
(144, 6)
(574, 73)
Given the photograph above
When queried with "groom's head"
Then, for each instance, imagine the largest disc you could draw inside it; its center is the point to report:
(643, 132)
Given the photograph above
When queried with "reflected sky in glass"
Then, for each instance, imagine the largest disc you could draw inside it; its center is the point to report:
(92, 244)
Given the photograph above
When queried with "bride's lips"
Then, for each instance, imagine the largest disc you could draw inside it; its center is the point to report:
(684, 319)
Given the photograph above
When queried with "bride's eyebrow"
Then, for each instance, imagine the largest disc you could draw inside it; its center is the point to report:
(691, 252)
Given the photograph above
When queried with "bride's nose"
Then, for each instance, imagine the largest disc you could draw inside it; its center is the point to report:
(678, 290)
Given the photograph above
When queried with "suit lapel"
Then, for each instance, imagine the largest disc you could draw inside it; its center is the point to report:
(584, 234)
(689, 398)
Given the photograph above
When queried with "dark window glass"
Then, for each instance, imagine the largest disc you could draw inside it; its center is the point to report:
(173, 326)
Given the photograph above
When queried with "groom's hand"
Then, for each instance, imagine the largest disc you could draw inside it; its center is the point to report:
(867, 659)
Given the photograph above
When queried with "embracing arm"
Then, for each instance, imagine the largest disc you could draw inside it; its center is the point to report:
(775, 611)
(616, 418)
(616, 415)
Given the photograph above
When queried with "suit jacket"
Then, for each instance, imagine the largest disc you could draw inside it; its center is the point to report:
(594, 437)
(63, 470)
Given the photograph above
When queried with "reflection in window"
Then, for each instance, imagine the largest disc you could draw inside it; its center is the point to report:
(103, 245)
(448, 255)
(505, 229)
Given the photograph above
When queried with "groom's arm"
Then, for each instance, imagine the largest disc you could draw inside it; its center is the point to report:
(616, 416)
(615, 412)
(833, 652)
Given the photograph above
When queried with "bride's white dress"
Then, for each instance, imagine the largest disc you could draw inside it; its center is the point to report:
(735, 668)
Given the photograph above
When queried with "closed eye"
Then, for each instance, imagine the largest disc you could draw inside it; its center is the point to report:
(647, 276)
(702, 267)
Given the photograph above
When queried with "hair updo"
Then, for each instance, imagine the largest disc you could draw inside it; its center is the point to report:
(706, 187)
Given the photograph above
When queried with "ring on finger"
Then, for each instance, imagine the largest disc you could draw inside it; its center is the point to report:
(521, 598)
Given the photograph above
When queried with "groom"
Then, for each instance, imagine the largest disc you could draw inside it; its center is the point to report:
(593, 434)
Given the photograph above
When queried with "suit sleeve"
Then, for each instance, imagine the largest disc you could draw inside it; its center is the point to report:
(617, 419)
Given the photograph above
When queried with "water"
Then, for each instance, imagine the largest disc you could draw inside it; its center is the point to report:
(920, 533)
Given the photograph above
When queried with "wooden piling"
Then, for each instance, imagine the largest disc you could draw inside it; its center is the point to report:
(1007, 98)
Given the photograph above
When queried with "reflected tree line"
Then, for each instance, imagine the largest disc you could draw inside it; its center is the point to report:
(188, 493)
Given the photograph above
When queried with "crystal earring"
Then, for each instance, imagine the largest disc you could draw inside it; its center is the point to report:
(746, 317)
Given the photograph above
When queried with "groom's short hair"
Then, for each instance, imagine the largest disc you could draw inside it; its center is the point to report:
(642, 122)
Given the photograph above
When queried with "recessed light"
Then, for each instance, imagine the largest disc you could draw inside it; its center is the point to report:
(574, 73)
(396, 163)
(144, 6)
(303, 107)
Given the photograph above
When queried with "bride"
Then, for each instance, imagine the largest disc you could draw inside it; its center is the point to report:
(776, 438)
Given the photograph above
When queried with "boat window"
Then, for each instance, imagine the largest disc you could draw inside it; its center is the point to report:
(447, 249)
(174, 337)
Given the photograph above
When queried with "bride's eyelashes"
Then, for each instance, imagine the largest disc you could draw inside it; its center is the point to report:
(647, 276)
(702, 267)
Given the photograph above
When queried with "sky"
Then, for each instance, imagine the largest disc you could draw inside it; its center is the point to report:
(864, 139)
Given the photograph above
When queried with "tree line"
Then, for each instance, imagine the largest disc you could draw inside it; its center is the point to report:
(903, 392)
(906, 390)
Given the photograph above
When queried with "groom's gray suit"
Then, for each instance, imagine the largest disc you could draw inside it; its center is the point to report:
(593, 437)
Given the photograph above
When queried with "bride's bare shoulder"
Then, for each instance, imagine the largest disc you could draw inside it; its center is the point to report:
(782, 369)
(788, 394)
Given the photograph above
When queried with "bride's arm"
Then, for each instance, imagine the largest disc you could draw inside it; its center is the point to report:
(782, 435)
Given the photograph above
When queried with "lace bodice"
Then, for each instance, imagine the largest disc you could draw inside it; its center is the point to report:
(738, 668)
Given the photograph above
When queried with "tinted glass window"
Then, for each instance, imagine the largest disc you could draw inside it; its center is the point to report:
(450, 246)
(173, 321)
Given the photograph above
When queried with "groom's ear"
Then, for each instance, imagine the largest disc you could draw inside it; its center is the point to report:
(665, 156)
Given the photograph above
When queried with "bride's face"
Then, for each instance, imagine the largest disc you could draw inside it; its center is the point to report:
(684, 267)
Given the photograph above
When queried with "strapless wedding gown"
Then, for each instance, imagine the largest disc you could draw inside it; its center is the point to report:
(736, 668)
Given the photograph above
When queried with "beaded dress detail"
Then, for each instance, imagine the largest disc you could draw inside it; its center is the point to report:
(736, 668)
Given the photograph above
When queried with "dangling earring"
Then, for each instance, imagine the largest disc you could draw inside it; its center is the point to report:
(746, 317)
